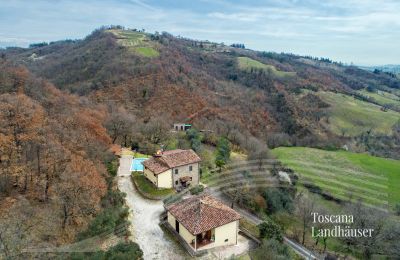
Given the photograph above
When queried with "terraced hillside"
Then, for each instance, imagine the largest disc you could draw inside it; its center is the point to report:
(374, 180)
(350, 116)
(137, 42)
(382, 97)
(211, 84)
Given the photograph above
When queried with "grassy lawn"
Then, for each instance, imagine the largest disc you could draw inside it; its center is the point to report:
(353, 116)
(140, 155)
(148, 189)
(138, 42)
(134, 154)
(246, 63)
(382, 97)
(374, 180)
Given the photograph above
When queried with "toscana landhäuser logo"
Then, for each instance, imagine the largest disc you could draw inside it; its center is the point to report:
(337, 226)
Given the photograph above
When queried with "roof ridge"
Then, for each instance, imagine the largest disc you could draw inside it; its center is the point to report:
(219, 208)
(162, 160)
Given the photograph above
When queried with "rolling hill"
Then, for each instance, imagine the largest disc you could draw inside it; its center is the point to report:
(65, 103)
(374, 180)
(158, 75)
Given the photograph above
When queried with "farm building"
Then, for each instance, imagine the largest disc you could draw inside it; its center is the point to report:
(204, 222)
(182, 126)
(173, 169)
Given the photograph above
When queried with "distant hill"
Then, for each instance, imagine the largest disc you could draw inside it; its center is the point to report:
(284, 99)
(385, 68)
(64, 104)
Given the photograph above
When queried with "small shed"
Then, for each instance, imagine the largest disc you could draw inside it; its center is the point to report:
(182, 126)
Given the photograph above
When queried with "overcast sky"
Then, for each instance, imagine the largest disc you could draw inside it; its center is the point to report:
(365, 32)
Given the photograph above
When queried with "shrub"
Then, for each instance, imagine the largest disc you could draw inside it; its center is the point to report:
(129, 250)
(197, 189)
(223, 152)
(121, 251)
(313, 188)
(195, 139)
(112, 167)
(278, 200)
(271, 250)
(397, 209)
(326, 195)
(270, 230)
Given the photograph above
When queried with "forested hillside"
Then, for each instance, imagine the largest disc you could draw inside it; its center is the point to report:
(63, 104)
(52, 147)
(280, 98)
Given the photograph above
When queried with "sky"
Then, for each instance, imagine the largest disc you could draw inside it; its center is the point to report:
(363, 32)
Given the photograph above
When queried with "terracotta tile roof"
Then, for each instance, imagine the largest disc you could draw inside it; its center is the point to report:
(201, 213)
(170, 159)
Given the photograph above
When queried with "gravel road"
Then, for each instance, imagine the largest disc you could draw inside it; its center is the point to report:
(144, 216)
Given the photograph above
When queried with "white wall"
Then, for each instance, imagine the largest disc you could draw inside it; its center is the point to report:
(228, 231)
(150, 176)
(164, 179)
(183, 232)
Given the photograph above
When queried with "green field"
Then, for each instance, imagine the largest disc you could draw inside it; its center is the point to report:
(138, 42)
(374, 180)
(382, 97)
(350, 116)
(147, 189)
(147, 51)
(246, 63)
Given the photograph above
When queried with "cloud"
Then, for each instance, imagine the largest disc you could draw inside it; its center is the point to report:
(337, 29)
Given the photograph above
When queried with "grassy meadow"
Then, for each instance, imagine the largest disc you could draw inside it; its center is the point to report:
(352, 116)
(246, 63)
(138, 42)
(382, 97)
(374, 180)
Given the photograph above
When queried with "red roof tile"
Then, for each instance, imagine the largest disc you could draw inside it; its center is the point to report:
(171, 159)
(201, 213)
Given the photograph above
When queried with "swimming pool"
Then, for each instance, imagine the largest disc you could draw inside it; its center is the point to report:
(137, 165)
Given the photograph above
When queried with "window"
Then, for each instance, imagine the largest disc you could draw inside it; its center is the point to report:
(176, 171)
(176, 182)
(226, 240)
(190, 168)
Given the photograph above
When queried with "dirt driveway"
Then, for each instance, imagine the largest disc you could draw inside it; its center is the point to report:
(144, 216)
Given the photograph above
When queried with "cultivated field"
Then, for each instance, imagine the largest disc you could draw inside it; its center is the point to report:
(382, 97)
(374, 180)
(350, 116)
(137, 42)
(246, 63)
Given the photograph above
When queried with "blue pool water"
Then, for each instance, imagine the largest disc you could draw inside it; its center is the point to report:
(137, 165)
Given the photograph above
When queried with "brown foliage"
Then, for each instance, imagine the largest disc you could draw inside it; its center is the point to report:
(52, 146)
